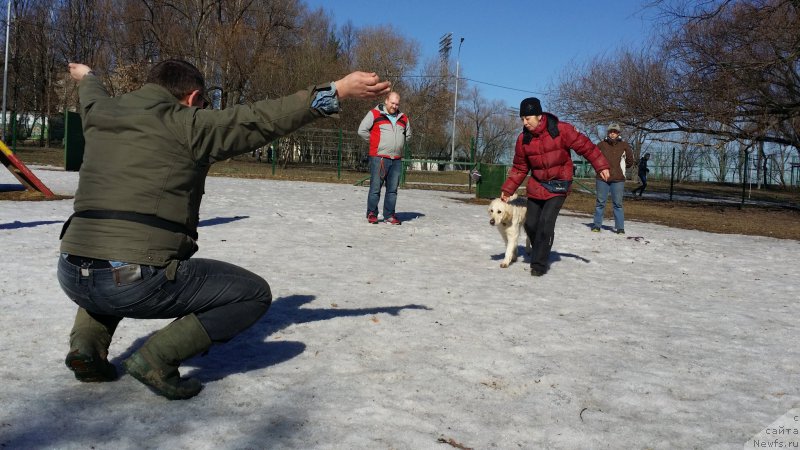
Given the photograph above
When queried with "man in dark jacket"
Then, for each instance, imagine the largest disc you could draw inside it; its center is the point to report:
(543, 150)
(620, 156)
(643, 171)
(126, 251)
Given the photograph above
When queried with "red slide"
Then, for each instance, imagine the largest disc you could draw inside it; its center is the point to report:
(23, 174)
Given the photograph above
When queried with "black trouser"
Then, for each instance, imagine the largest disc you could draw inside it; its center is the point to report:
(640, 189)
(540, 224)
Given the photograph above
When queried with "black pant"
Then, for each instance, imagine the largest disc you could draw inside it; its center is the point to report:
(540, 224)
(640, 189)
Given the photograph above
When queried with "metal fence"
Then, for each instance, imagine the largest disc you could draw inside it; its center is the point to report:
(318, 147)
(345, 150)
(694, 165)
(340, 149)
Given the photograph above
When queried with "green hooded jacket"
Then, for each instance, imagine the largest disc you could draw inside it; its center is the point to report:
(147, 153)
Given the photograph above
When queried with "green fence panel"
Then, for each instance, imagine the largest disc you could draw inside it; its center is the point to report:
(73, 142)
(582, 168)
(492, 178)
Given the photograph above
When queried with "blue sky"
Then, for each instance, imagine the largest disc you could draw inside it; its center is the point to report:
(517, 44)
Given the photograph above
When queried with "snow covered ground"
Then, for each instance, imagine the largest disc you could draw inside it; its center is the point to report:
(413, 337)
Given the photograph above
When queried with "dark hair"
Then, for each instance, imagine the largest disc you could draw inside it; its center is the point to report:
(179, 77)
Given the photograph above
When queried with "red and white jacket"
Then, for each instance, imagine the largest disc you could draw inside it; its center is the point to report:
(386, 139)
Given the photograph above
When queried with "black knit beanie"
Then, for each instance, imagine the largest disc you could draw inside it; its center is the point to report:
(530, 107)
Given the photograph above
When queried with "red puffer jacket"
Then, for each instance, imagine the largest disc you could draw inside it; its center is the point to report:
(545, 153)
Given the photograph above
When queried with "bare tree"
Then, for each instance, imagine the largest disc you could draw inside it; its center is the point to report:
(729, 69)
(429, 101)
(384, 50)
(247, 50)
(719, 158)
(255, 45)
(491, 125)
(181, 27)
(30, 71)
(79, 23)
(348, 38)
(781, 158)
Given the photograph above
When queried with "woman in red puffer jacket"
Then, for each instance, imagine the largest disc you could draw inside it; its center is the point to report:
(543, 150)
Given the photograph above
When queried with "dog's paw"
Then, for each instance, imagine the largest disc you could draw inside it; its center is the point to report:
(504, 264)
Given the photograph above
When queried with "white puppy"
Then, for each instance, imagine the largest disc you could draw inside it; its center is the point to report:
(509, 219)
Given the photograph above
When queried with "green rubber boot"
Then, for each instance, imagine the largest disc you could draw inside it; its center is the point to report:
(88, 347)
(156, 363)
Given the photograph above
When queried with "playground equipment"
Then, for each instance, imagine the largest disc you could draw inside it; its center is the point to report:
(21, 172)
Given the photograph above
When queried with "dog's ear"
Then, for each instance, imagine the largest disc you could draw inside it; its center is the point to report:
(513, 197)
(507, 213)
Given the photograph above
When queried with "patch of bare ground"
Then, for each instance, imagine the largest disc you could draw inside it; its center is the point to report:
(779, 220)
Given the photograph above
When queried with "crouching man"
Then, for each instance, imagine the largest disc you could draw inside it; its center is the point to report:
(126, 251)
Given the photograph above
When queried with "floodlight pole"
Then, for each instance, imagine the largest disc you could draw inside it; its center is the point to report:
(5, 69)
(455, 109)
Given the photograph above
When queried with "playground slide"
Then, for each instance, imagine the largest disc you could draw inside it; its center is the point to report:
(21, 172)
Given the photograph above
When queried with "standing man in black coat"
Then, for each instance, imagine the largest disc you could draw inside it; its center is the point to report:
(643, 171)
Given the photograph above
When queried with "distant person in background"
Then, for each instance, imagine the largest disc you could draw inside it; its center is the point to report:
(643, 171)
(387, 130)
(543, 150)
(620, 157)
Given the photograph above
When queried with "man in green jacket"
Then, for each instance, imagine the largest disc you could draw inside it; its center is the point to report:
(126, 251)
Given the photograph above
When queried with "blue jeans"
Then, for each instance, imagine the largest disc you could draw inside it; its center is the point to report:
(383, 170)
(227, 299)
(603, 188)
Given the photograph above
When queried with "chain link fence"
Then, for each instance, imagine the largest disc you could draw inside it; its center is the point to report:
(775, 167)
(340, 150)
(320, 147)
(779, 168)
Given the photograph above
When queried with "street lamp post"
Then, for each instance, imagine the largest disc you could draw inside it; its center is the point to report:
(5, 70)
(455, 109)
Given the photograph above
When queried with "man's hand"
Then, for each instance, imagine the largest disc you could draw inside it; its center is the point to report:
(504, 197)
(604, 174)
(362, 85)
(77, 71)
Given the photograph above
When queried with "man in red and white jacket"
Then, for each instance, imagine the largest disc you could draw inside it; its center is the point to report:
(387, 130)
(543, 150)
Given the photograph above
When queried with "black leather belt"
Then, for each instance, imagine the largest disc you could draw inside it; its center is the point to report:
(147, 219)
(88, 263)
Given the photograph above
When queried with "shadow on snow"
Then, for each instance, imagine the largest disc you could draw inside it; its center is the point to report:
(251, 351)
